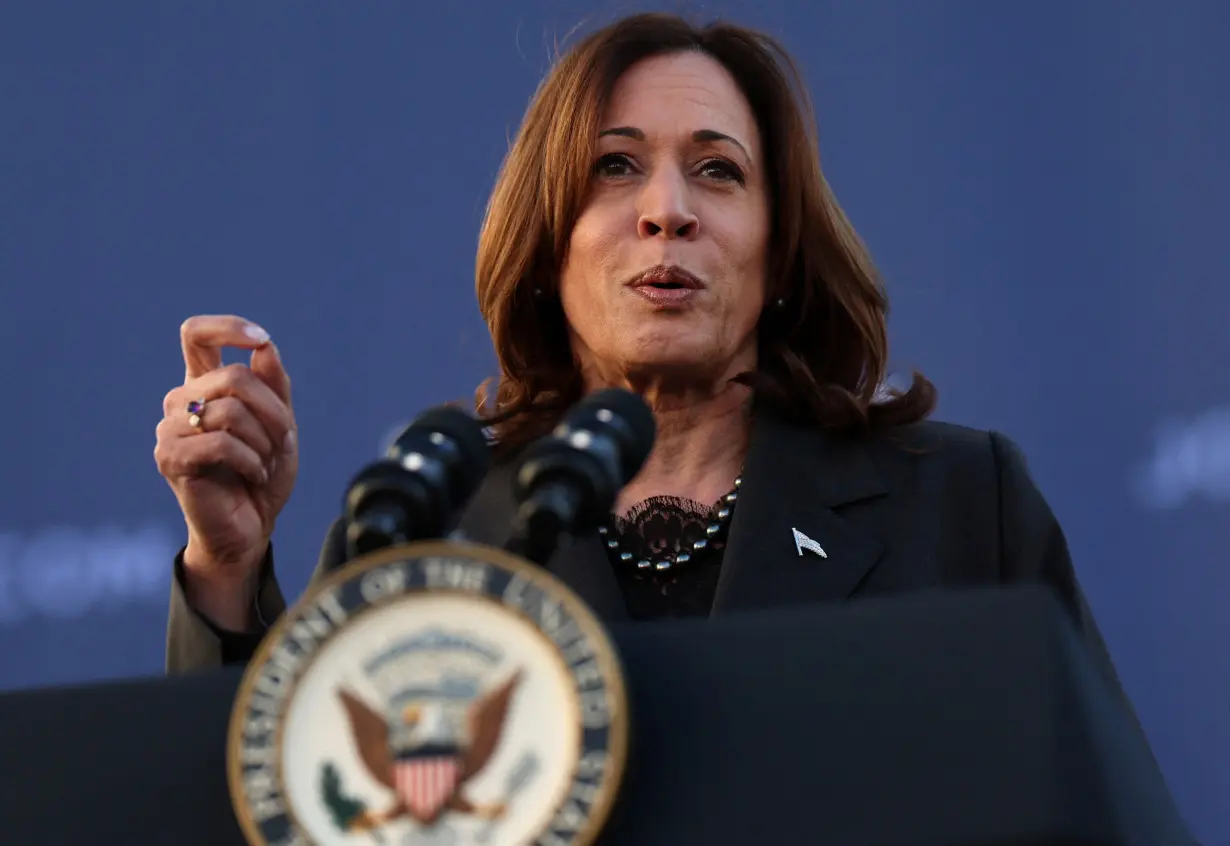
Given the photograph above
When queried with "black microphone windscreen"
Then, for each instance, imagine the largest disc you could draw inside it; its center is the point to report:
(473, 452)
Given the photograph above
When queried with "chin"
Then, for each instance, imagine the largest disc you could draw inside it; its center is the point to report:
(675, 355)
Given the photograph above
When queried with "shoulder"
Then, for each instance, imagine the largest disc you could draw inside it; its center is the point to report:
(978, 457)
(977, 483)
(939, 461)
(934, 437)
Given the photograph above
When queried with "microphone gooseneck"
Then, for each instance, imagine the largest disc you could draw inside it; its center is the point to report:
(567, 481)
(431, 470)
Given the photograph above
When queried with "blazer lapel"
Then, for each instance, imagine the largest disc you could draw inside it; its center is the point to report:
(794, 479)
(580, 563)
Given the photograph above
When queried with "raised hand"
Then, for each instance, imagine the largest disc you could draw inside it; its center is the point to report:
(227, 445)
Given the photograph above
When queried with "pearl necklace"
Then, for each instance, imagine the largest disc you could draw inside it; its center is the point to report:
(715, 531)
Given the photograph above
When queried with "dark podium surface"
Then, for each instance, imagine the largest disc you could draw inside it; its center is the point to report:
(938, 719)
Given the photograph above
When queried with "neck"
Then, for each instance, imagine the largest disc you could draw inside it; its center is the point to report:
(702, 436)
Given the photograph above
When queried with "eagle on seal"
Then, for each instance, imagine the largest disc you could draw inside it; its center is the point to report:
(422, 760)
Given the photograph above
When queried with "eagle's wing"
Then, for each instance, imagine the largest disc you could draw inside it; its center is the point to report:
(371, 738)
(486, 719)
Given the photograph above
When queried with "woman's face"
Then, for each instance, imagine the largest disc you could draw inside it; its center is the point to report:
(665, 271)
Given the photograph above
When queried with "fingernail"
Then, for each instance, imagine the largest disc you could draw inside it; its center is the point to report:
(288, 445)
(256, 333)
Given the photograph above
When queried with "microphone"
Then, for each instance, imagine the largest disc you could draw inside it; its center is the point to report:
(431, 470)
(568, 480)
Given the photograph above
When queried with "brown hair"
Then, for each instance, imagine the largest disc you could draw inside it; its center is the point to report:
(823, 356)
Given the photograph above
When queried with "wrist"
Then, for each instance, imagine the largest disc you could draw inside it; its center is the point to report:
(223, 592)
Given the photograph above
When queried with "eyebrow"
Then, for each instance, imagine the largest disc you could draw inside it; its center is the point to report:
(700, 136)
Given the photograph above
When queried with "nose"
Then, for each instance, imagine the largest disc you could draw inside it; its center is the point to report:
(666, 209)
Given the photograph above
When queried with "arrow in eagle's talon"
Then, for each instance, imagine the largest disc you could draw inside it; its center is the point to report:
(491, 812)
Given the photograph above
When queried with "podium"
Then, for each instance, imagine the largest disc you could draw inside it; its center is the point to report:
(949, 719)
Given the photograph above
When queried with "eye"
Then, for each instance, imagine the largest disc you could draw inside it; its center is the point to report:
(613, 165)
(722, 170)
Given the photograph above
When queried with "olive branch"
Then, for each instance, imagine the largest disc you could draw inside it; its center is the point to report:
(348, 812)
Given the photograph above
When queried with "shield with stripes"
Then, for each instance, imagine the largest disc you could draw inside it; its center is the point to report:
(425, 783)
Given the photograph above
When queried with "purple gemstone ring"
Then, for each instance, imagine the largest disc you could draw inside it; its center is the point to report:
(196, 410)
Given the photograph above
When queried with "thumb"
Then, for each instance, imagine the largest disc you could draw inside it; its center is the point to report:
(266, 363)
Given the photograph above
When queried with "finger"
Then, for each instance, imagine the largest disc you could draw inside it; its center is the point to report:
(175, 401)
(204, 453)
(267, 364)
(228, 414)
(203, 337)
(236, 380)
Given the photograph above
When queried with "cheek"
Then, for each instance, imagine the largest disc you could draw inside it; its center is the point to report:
(748, 257)
(746, 307)
(581, 276)
(587, 252)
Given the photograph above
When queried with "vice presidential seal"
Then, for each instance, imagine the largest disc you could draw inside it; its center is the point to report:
(433, 693)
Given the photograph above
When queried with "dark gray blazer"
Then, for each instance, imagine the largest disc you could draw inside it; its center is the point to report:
(923, 506)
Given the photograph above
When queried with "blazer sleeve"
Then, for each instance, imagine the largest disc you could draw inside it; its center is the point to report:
(1034, 549)
(195, 643)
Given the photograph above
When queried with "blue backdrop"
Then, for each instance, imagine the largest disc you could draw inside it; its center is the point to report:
(1044, 186)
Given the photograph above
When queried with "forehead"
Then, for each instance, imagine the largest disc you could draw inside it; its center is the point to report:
(681, 92)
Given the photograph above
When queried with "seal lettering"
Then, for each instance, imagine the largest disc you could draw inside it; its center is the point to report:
(264, 798)
(450, 574)
(376, 584)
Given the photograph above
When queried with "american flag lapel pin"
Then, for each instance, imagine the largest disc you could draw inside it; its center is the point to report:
(803, 542)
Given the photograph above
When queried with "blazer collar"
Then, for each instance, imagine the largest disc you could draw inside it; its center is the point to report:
(795, 478)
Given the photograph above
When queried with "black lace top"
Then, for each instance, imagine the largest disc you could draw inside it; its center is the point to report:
(662, 526)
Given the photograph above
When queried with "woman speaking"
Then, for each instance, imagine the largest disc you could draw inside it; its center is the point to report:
(661, 223)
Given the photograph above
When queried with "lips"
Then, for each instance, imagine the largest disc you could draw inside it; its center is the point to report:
(667, 286)
(668, 277)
